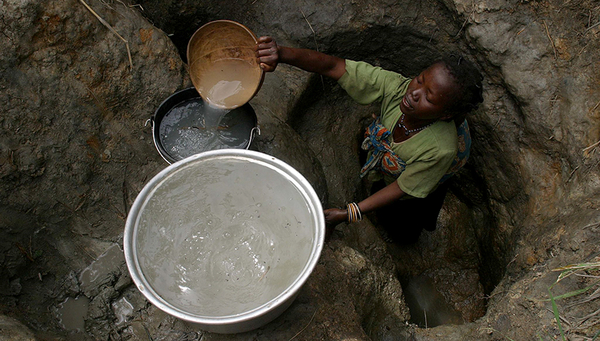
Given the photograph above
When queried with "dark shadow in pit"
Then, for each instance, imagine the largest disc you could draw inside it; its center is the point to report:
(428, 307)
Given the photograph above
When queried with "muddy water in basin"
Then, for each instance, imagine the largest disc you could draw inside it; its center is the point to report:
(192, 127)
(220, 240)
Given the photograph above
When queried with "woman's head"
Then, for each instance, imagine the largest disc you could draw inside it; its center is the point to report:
(449, 88)
(469, 91)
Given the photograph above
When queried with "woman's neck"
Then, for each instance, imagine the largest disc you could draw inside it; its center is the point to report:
(415, 123)
(402, 131)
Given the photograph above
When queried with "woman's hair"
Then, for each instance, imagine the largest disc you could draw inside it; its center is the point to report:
(468, 80)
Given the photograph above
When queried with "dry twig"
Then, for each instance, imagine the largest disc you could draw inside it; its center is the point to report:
(311, 28)
(24, 252)
(466, 20)
(564, 319)
(589, 28)
(586, 149)
(120, 214)
(551, 41)
(315, 39)
(572, 173)
(591, 225)
(308, 324)
(107, 25)
(590, 298)
(131, 6)
(588, 316)
(595, 107)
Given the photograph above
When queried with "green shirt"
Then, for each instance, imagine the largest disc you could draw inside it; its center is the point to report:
(429, 153)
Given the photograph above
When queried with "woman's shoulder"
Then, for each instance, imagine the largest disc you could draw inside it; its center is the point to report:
(443, 130)
(366, 84)
(367, 72)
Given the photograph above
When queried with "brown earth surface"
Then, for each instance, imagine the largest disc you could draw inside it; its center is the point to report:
(79, 84)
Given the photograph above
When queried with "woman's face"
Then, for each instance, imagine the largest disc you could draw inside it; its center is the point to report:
(429, 94)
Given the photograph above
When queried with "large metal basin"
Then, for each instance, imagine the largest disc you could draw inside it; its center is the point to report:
(224, 239)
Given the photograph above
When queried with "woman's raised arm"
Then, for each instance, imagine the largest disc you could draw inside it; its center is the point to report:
(270, 55)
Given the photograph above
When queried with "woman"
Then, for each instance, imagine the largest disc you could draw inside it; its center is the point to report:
(418, 141)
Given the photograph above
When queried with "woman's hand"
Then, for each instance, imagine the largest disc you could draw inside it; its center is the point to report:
(270, 54)
(334, 216)
(267, 53)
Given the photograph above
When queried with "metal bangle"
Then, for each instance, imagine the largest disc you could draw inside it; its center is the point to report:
(354, 213)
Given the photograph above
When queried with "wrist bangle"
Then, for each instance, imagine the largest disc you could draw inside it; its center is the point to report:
(354, 213)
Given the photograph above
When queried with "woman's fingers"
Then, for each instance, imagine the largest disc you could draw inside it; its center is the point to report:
(335, 215)
(267, 67)
(268, 62)
(265, 39)
(268, 59)
(267, 53)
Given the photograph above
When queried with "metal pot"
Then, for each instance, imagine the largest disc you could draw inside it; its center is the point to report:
(224, 239)
(183, 125)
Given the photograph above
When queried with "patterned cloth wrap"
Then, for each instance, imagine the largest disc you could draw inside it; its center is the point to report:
(383, 159)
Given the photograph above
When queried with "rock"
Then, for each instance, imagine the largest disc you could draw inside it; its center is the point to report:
(13, 330)
(123, 281)
(15, 286)
(278, 139)
(73, 109)
(136, 332)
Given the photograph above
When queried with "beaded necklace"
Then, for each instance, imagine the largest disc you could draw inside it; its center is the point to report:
(409, 131)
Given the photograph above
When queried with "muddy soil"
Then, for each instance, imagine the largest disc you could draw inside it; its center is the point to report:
(82, 78)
